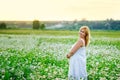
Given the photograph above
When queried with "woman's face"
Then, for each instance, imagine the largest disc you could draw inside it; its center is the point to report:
(82, 33)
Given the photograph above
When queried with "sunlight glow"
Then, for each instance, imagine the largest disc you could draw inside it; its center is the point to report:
(59, 9)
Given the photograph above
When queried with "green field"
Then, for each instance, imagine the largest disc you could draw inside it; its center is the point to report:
(41, 55)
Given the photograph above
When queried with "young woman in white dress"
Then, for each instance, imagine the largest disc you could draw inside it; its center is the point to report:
(77, 56)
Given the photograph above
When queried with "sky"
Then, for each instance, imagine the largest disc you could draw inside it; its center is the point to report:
(59, 9)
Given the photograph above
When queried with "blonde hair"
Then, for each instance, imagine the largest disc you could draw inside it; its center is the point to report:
(87, 32)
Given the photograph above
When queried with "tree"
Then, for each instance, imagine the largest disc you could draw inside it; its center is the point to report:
(36, 24)
(42, 26)
(3, 26)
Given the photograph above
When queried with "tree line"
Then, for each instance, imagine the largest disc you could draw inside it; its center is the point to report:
(36, 24)
(108, 24)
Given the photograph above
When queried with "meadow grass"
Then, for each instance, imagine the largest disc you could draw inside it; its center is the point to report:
(95, 33)
(41, 55)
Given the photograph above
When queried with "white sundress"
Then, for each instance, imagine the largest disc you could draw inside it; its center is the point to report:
(77, 65)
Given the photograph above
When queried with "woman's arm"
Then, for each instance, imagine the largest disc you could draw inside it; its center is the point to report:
(77, 45)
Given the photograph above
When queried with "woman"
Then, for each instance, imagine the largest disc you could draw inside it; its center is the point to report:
(77, 56)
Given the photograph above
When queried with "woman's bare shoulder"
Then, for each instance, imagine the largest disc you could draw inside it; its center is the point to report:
(81, 42)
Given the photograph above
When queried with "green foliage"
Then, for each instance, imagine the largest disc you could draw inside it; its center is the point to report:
(36, 24)
(42, 26)
(93, 25)
(3, 25)
(108, 24)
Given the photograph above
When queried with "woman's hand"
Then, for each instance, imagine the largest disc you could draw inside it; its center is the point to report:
(68, 56)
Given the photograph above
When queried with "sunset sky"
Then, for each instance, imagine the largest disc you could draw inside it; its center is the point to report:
(59, 9)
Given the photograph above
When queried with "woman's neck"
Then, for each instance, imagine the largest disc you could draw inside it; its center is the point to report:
(82, 38)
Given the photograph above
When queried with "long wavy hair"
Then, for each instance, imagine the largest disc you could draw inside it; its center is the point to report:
(87, 36)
